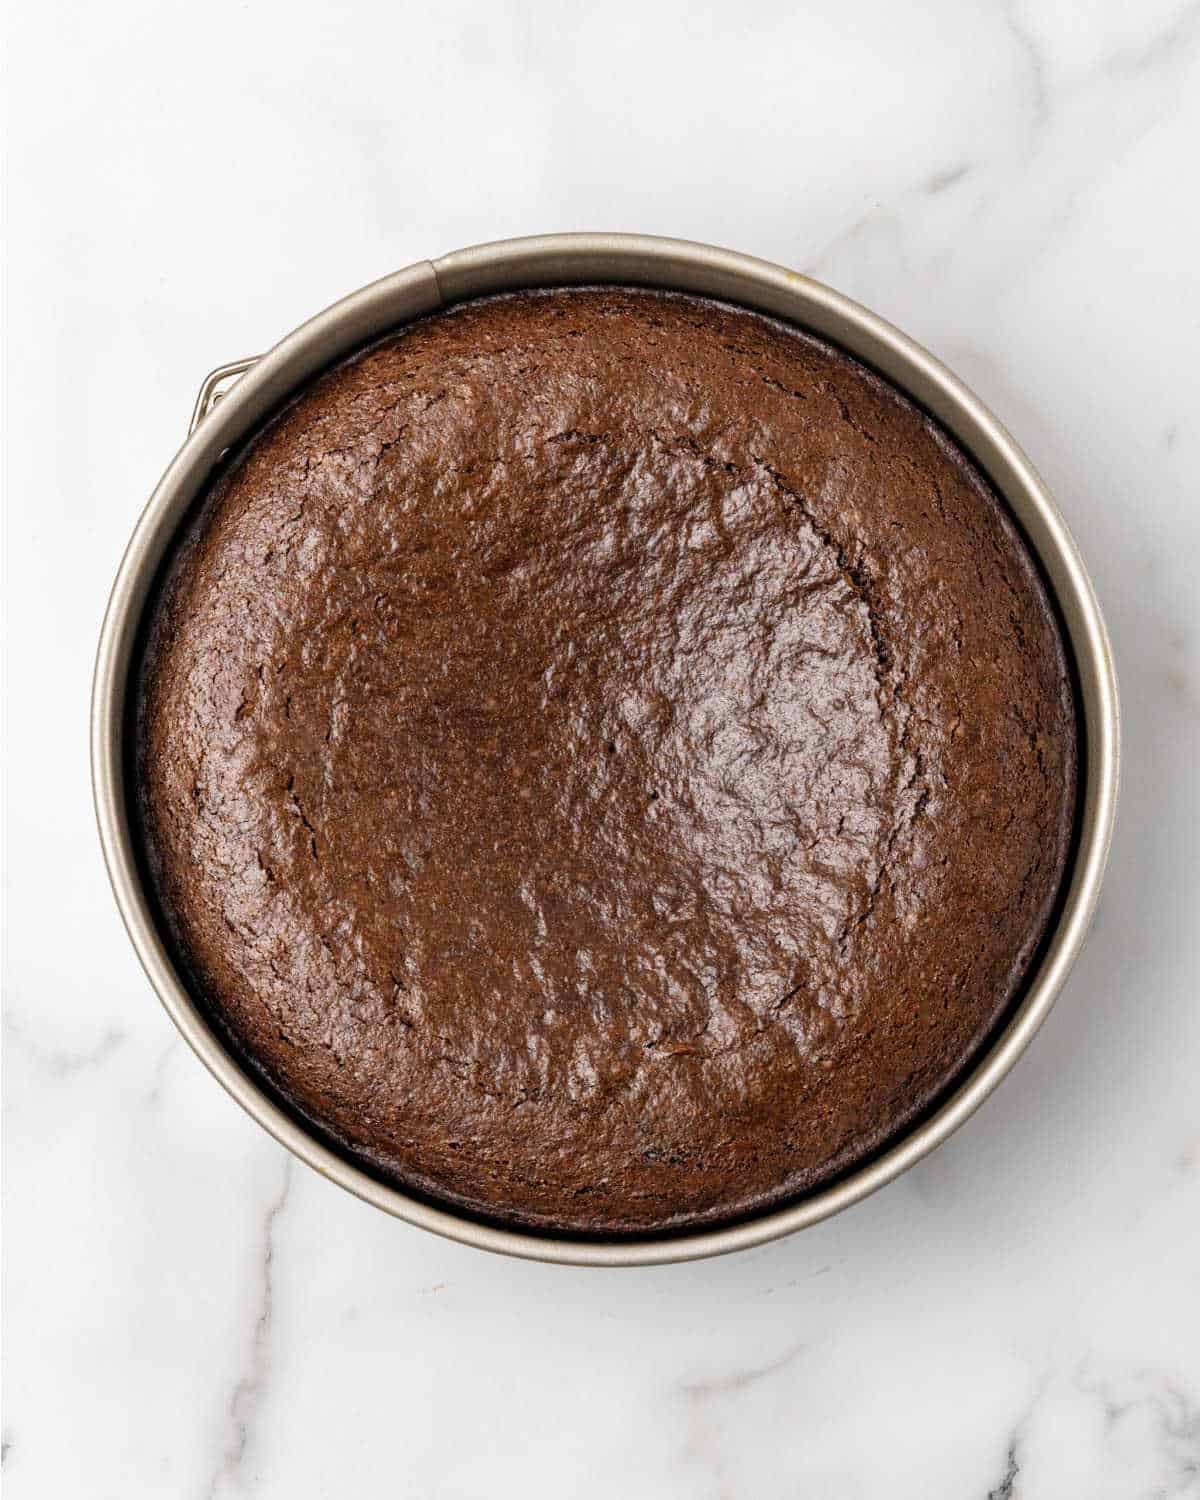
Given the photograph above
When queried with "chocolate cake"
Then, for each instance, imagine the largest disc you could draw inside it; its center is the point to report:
(606, 758)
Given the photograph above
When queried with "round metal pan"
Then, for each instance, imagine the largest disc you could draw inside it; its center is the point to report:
(260, 386)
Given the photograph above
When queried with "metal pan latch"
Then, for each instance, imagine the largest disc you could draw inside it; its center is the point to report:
(216, 385)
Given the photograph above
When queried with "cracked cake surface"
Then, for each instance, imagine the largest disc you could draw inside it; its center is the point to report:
(606, 758)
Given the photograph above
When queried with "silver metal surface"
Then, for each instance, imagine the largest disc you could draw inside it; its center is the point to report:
(216, 384)
(556, 260)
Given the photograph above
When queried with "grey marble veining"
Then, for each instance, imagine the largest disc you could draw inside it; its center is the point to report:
(252, 1382)
(187, 1312)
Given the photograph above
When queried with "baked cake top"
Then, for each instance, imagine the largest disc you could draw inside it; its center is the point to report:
(606, 757)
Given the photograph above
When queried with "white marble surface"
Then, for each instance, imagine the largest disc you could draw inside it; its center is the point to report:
(190, 1314)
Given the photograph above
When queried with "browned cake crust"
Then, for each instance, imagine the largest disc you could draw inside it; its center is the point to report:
(607, 758)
